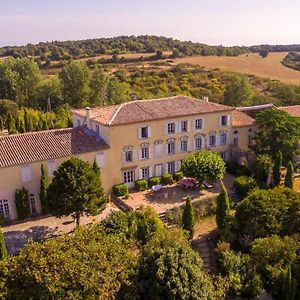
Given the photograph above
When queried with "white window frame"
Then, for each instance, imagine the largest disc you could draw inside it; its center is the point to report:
(184, 126)
(100, 159)
(171, 146)
(145, 152)
(129, 155)
(145, 173)
(4, 209)
(198, 142)
(212, 140)
(198, 124)
(128, 176)
(171, 167)
(184, 145)
(171, 128)
(148, 132)
(223, 138)
(26, 173)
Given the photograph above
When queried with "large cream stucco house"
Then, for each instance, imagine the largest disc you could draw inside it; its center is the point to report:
(138, 139)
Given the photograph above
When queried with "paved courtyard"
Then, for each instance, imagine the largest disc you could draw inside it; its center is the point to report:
(16, 235)
(173, 196)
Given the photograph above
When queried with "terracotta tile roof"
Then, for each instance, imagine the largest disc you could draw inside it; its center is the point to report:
(240, 118)
(293, 110)
(18, 149)
(152, 109)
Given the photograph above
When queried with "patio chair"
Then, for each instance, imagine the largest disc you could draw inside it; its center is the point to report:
(207, 185)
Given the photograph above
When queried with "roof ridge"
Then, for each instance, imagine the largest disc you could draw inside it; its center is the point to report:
(115, 114)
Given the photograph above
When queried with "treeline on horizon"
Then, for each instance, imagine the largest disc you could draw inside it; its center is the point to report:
(64, 50)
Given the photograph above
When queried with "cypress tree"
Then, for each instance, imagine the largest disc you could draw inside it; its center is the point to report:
(43, 190)
(188, 218)
(11, 125)
(289, 287)
(276, 168)
(1, 124)
(223, 207)
(96, 168)
(22, 127)
(3, 251)
(288, 181)
(27, 121)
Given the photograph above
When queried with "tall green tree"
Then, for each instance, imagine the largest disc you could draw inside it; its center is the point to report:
(277, 168)
(22, 203)
(3, 250)
(75, 189)
(204, 165)
(289, 177)
(188, 218)
(277, 131)
(1, 124)
(75, 78)
(237, 91)
(96, 168)
(98, 87)
(223, 208)
(289, 287)
(11, 124)
(117, 91)
(43, 189)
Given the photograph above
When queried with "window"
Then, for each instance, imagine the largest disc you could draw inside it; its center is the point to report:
(128, 176)
(26, 173)
(236, 141)
(145, 151)
(223, 138)
(78, 124)
(171, 128)
(51, 166)
(158, 170)
(212, 140)
(4, 209)
(32, 204)
(250, 140)
(128, 156)
(198, 142)
(171, 167)
(183, 145)
(145, 173)
(100, 159)
(171, 147)
(223, 155)
(224, 120)
(184, 126)
(98, 128)
(144, 132)
(158, 149)
(198, 124)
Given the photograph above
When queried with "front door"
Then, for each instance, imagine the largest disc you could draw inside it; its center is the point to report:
(128, 178)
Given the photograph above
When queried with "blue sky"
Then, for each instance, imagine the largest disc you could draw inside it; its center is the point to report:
(231, 22)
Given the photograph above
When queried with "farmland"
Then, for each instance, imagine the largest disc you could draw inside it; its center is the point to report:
(252, 64)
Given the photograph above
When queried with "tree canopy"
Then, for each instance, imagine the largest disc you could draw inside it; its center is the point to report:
(204, 165)
(75, 189)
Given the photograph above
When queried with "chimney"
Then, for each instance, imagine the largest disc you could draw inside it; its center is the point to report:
(133, 97)
(205, 98)
(88, 116)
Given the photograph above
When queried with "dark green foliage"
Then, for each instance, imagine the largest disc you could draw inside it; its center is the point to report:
(289, 285)
(139, 224)
(239, 273)
(141, 185)
(266, 212)
(277, 131)
(237, 91)
(120, 189)
(277, 168)
(243, 185)
(188, 218)
(43, 190)
(1, 124)
(96, 168)
(262, 167)
(178, 176)
(75, 189)
(166, 179)
(204, 165)
(223, 208)
(22, 203)
(264, 53)
(289, 177)
(153, 181)
(11, 125)
(170, 269)
(292, 60)
(86, 264)
(3, 251)
(236, 169)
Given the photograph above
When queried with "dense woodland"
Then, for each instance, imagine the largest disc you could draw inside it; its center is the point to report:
(292, 60)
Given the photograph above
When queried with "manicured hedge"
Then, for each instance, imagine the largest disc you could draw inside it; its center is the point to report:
(120, 189)
(177, 176)
(244, 184)
(141, 185)
(166, 179)
(153, 181)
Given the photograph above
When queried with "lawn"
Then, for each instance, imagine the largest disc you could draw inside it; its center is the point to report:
(252, 64)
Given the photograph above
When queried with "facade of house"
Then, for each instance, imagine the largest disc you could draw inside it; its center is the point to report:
(130, 141)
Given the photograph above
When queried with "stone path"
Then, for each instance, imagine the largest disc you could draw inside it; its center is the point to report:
(16, 235)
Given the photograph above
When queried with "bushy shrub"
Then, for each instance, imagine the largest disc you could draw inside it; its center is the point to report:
(166, 179)
(153, 181)
(141, 185)
(233, 168)
(120, 189)
(178, 176)
(244, 184)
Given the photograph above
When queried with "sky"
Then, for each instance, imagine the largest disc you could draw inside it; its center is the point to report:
(214, 22)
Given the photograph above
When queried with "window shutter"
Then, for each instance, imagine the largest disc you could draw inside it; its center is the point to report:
(194, 144)
(150, 152)
(178, 165)
(140, 154)
(202, 123)
(149, 132)
(188, 126)
(150, 172)
(100, 159)
(220, 121)
(178, 125)
(123, 157)
(140, 174)
(166, 129)
(207, 142)
(203, 142)
(218, 139)
(134, 155)
(228, 120)
(140, 133)
(166, 149)
(193, 124)
(166, 168)
(178, 145)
